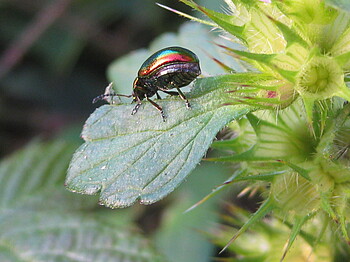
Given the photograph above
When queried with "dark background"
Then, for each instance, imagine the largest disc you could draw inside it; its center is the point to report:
(53, 60)
(54, 56)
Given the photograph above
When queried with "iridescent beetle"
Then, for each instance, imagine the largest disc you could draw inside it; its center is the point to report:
(171, 67)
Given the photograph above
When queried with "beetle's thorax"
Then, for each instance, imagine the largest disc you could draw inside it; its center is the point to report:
(142, 88)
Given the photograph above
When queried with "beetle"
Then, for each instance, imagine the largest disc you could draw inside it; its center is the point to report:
(168, 68)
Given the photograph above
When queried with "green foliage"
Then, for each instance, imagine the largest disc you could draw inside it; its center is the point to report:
(129, 158)
(267, 239)
(294, 148)
(111, 131)
(40, 221)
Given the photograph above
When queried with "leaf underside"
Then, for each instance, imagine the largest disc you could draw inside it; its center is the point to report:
(41, 221)
(139, 157)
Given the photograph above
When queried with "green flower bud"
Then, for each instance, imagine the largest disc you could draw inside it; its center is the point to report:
(320, 78)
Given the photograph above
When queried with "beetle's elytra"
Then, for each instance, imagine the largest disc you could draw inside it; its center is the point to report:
(169, 68)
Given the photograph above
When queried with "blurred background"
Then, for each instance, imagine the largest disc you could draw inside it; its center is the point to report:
(54, 59)
(54, 56)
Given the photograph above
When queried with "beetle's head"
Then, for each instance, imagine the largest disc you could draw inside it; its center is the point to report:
(138, 91)
(134, 97)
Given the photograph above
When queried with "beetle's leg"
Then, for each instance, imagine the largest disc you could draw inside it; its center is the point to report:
(134, 111)
(183, 97)
(160, 109)
(179, 93)
(172, 93)
(158, 96)
(136, 108)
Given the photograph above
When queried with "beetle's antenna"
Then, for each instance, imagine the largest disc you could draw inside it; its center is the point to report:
(102, 97)
(109, 92)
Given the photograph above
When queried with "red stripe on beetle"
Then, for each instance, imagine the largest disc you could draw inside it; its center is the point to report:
(165, 60)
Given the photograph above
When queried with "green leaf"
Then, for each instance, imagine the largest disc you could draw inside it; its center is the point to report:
(291, 36)
(238, 176)
(193, 18)
(298, 223)
(263, 210)
(32, 171)
(222, 20)
(41, 221)
(249, 155)
(301, 171)
(128, 158)
(217, 190)
(263, 58)
(339, 4)
(267, 59)
(53, 236)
